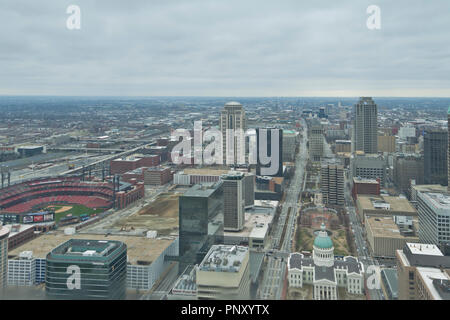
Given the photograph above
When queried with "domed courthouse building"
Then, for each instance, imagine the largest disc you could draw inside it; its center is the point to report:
(324, 271)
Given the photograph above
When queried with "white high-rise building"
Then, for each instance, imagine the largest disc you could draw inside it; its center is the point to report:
(407, 131)
(232, 117)
(22, 271)
(434, 217)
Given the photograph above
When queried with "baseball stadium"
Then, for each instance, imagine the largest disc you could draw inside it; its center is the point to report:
(53, 199)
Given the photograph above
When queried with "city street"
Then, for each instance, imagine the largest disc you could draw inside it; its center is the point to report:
(361, 247)
(275, 270)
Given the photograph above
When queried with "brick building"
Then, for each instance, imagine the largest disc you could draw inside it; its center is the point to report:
(137, 174)
(119, 166)
(125, 198)
(123, 165)
(157, 175)
(365, 186)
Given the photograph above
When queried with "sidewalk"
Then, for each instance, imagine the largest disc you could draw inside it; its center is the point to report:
(285, 286)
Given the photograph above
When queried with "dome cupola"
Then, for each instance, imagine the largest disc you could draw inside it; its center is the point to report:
(322, 240)
(323, 249)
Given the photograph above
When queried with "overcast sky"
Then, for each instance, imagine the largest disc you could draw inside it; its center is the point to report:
(225, 48)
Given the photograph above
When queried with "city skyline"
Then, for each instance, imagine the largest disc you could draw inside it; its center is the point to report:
(240, 152)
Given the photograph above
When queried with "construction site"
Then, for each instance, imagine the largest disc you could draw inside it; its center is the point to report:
(161, 215)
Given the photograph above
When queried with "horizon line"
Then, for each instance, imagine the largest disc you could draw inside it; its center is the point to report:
(208, 96)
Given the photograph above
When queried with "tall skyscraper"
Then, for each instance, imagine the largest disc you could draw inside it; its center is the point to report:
(315, 137)
(365, 126)
(435, 144)
(271, 151)
(200, 222)
(233, 201)
(232, 117)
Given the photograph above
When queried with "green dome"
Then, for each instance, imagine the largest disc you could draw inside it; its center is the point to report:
(322, 240)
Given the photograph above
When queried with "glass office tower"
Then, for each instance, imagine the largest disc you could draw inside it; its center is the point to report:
(87, 269)
(200, 222)
(435, 145)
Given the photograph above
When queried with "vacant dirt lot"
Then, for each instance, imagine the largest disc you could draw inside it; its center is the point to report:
(166, 205)
(160, 215)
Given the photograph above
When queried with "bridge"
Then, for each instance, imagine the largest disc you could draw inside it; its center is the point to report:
(105, 162)
(84, 149)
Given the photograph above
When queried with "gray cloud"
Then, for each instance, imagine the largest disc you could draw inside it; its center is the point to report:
(225, 47)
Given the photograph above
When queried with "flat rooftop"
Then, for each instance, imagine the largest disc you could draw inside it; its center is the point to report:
(204, 172)
(332, 164)
(262, 210)
(430, 188)
(224, 258)
(439, 200)
(139, 248)
(158, 168)
(3, 231)
(141, 155)
(202, 190)
(394, 203)
(30, 147)
(266, 203)
(364, 180)
(136, 171)
(256, 225)
(17, 228)
(430, 274)
(156, 147)
(233, 175)
(127, 159)
(87, 248)
(384, 227)
(424, 249)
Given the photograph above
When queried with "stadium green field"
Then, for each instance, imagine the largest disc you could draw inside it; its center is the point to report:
(75, 210)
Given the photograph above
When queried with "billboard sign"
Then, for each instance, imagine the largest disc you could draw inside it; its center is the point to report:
(27, 219)
(39, 218)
